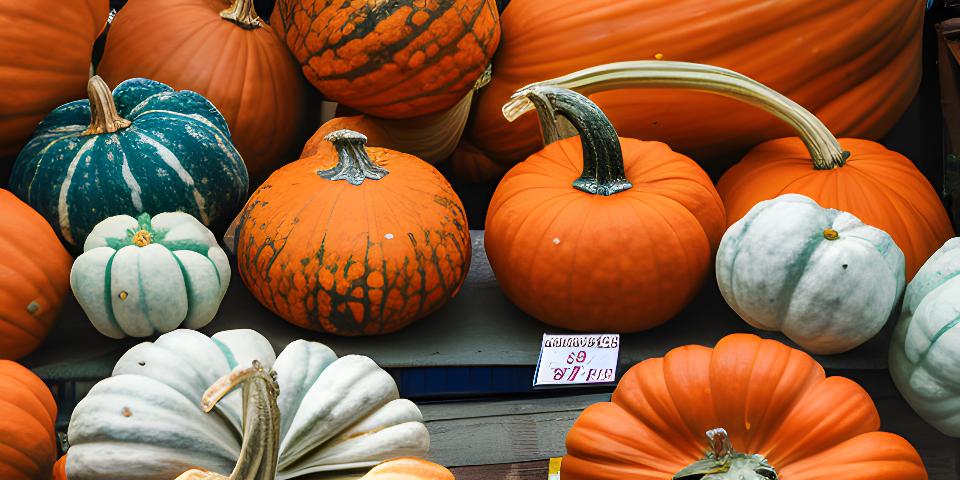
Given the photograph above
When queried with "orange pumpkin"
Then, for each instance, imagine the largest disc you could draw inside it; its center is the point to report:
(775, 406)
(397, 59)
(592, 233)
(880, 187)
(34, 277)
(225, 53)
(408, 468)
(60, 469)
(358, 243)
(45, 50)
(28, 443)
(855, 64)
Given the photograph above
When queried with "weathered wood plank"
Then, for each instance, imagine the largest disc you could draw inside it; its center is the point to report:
(514, 471)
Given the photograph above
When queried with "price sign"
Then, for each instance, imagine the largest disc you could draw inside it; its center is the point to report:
(577, 359)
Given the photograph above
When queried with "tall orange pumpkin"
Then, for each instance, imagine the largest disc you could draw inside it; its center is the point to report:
(397, 59)
(880, 187)
(28, 443)
(764, 406)
(34, 277)
(855, 64)
(600, 233)
(45, 48)
(226, 53)
(361, 242)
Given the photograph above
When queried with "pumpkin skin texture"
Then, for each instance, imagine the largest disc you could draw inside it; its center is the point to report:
(34, 277)
(773, 400)
(354, 249)
(592, 262)
(159, 273)
(408, 468)
(247, 72)
(397, 59)
(28, 443)
(925, 348)
(60, 469)
(174, 154)
(146, 421)
(858, 77)
(879, 186)
(46, 47)
(820, 276)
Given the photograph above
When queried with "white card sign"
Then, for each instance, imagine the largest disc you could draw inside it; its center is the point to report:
(577, 359)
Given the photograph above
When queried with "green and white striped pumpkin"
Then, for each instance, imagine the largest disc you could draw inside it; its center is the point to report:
(821, 276)
(925, 350)
(143, 148)
(142, 276)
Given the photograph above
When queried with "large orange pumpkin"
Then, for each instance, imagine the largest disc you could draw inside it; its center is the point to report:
(856, 64)
(880, 187)
(45, 48)
(34, 277)
(592, 233)
(28, 443)
(224, 52)
(773, 403)
(362, 242)
(397, 59)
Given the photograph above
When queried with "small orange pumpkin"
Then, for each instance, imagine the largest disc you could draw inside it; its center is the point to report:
(28, 443)
(34, 277)
(60, 469)
(408, 468)
(358, 243)
(600, 233)
(771, 402)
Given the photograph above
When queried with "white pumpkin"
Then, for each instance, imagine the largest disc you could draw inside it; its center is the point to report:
(143, 276)
(145, 421)
(925, 351)
(819, 275)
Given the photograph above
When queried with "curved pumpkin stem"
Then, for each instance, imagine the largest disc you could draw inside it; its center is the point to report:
(823, 146)
(103, 110)
(260, 451)
(243, 13)
(722, 462)
(603, 172)
(354, 163)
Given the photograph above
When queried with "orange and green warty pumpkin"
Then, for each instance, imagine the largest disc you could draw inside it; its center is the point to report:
(747, 409)
(28, 443)
(34, 277)
(596, 232)
(359, 243)
(855, 64)
(396, 59)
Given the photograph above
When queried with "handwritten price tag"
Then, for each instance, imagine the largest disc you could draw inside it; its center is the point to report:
(577, 359)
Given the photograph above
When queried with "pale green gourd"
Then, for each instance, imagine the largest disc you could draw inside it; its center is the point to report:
(925, 350)
(143, 276)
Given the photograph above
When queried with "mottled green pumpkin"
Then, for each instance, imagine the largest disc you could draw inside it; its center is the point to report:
(143, 148)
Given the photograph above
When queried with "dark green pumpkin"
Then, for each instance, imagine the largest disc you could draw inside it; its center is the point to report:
(143, 148)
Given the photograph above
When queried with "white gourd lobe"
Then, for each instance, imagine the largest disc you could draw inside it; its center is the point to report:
(925, 350)
(779, 272)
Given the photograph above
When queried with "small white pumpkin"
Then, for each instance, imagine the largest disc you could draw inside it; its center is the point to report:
(925, 350)
(142, 276)
(819, 275)
(146, 422)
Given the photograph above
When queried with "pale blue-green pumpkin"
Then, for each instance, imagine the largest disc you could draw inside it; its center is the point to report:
(925, 350)
(142, 148)
(143, 276)
(820, 276)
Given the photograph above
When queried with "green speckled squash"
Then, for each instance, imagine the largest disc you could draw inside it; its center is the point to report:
(143, 148)
(142, 276)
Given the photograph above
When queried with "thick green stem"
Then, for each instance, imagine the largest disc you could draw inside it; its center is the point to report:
(354, 163)
(243, 13)
(103, 110)
(824, 148)
(603, 171)
(722, 462)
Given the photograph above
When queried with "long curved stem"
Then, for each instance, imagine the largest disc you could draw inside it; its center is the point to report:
(603, 171)
(103, 110)
(354, 163)
(243, 13)
(823, 146)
